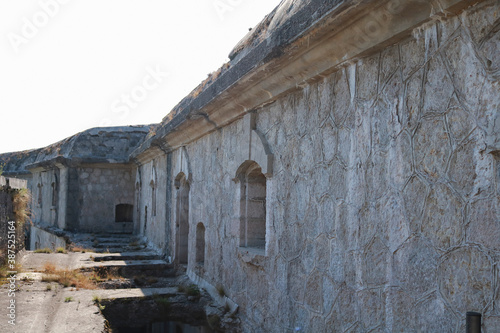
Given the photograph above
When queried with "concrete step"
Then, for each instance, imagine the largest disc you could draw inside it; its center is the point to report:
(115, 235)
(112, 250)
(103, 245)
(121, 263)
(132, 293)
(115, 249)
(116, 240)
(119, 238)
(126, 256)
(131, 268)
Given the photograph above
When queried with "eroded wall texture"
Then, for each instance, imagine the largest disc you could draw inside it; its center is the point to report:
(151, 203)
(41, 239)
(83, 198)
(95, 191)
(45, 189)
(383, 203)
(6, 212)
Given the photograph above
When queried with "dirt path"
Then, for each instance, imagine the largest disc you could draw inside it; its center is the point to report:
(48, 307)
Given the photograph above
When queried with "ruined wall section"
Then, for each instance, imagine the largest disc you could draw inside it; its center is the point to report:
(15, 183)
(14, 216)
(14, 164)
(6, 213)
(384, 198)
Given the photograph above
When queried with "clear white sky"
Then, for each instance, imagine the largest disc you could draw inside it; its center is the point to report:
(70, 65)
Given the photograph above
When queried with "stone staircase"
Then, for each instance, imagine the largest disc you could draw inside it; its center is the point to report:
(130, 285)
(129, 258)
(117, 243)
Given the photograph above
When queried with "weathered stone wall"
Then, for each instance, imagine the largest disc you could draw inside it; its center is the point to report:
(15, 183)
(99, 190)
(383, 202)
(6, 212)
(151, 221)
(45, 199)
(14, 201)
(62, 197)
(73, 205)
(41, 239)
(82, 198)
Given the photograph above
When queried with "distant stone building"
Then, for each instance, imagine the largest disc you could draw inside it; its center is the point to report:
(85, 182)
(340, 174)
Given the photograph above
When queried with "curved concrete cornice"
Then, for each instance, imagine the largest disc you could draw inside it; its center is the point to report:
(314, 42)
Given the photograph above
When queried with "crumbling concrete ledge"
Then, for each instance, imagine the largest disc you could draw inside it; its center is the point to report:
(41, 239)
(298, 50)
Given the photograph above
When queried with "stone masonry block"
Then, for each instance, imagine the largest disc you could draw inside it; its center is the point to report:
(466, 279)
(415, 266)
(438, 87)
(432, 148)
(484, 226)
(443, 221)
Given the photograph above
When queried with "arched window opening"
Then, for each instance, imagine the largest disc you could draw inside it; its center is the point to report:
(154, 184)
(54, 194)
(252, 206)
(55, 190)
(124, 213)
(200, 244)
(153, 198)
(40, 194)
(137, 205)
(145, 219)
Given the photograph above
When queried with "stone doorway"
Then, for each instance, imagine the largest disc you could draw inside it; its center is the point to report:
(182, 219)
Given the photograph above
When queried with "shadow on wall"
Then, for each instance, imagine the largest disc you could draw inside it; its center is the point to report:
(41, 239)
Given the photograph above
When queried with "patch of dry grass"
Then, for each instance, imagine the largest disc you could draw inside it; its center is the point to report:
(106, 274)
(21, 201)
(220, 290)
(142, 280)
(49, 268)
(3, 273)
(4, 269)
(44, 250)
(79, 249)
(67, 277)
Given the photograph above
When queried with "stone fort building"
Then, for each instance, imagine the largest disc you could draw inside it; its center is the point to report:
(340, 174)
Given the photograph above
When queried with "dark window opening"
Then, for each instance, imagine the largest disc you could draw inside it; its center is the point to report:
(145, 219)
(182, 207)
(124, 213)
(252, 206)
(153, 198)
(54, 194)
(40, 194)
(200, 244)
